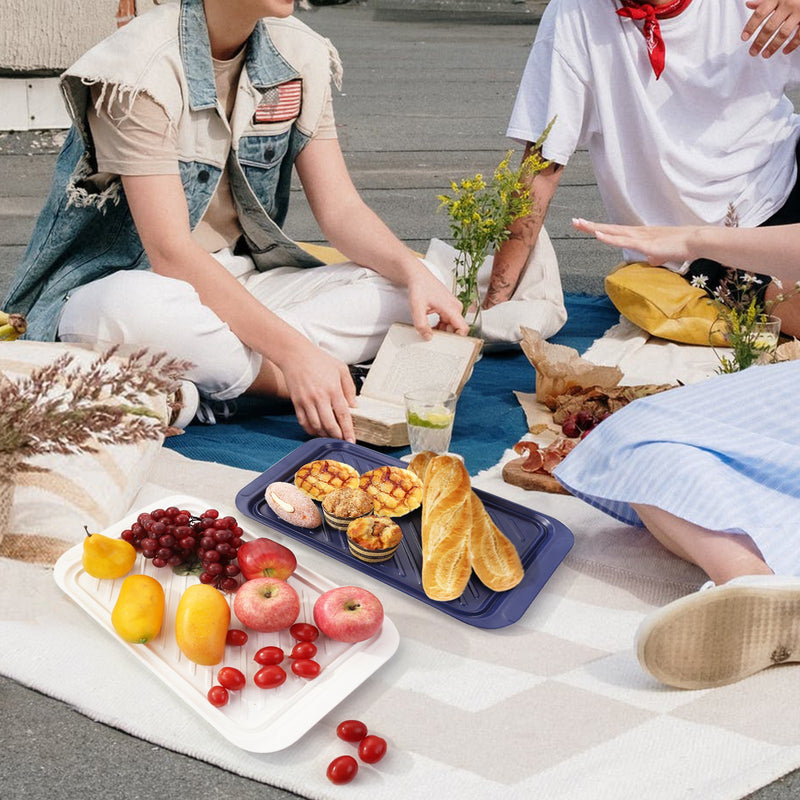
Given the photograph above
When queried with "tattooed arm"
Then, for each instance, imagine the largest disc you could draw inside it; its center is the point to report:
(512, 255)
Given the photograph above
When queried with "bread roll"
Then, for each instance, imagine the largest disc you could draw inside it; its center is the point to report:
(318, 478)
(494, 559)
(394, 491)
(446, 526)
(291, 505)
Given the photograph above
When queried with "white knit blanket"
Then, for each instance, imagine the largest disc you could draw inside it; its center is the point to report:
(554, 706)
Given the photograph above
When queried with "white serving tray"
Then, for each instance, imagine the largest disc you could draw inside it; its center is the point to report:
(258, 720)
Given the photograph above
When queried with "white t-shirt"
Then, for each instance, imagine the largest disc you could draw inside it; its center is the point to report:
(715, 129)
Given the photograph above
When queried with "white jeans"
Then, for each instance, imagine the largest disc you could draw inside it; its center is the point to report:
(343, 308)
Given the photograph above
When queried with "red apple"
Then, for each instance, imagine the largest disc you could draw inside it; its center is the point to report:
(348, 614)
(263, 558)
(266, 604)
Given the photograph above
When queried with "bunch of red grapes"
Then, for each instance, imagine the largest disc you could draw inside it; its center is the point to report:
(173, 537)
(581, 422)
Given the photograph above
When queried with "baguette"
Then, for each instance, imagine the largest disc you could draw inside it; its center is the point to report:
(419, 463)
(446, 526)
(494, 558)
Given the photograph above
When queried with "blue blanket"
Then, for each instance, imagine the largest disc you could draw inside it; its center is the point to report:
(489, 418)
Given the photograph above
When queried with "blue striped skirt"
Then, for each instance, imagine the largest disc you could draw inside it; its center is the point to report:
(723, 453)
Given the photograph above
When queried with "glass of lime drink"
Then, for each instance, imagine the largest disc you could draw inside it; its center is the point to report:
(429, 416)
(766, 334)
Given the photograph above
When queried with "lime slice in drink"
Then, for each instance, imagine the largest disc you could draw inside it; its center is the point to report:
(765, 341)
(433, 419)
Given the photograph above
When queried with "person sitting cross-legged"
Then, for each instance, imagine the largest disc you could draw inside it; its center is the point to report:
(164, 225)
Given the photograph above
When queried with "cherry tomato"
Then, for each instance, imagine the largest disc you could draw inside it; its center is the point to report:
(351, 730)
(218, 696)
(236, 637)
(269, 677)
(267, 656)
(304, 632)
(342, 770)
(304, 650)
(305, 668)
(372, 749)
(231, 678)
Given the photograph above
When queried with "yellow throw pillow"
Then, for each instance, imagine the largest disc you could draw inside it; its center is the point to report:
(663, 303)
(330, 255)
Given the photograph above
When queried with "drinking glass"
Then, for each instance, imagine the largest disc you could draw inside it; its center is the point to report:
(429, 416)
(766, 334)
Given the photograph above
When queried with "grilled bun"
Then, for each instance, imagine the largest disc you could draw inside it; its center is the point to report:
(393, 490)
(318, 478)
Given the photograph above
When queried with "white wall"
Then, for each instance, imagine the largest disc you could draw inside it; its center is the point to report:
(48, 35)
(51, 34)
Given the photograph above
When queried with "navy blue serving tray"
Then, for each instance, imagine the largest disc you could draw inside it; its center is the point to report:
(541, 541)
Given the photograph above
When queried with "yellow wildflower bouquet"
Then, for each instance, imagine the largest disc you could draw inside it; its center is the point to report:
(481, 212)
(744, 321)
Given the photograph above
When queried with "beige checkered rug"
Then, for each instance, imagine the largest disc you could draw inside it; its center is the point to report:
(554, 706)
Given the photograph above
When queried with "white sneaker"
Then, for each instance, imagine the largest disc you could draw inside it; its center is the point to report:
(722, 634)
(209, 411)
(184, 404)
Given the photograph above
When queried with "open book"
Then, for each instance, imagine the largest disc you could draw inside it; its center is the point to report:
(406, 362)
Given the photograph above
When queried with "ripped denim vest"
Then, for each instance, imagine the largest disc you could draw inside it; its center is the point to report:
(86, 231)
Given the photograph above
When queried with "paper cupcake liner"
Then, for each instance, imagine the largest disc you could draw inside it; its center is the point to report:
(341, 523)
(371, 556)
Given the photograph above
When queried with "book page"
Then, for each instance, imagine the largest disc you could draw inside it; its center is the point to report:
(379, 411)
(406, 362)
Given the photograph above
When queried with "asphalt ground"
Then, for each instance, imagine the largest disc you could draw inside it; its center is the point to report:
(424, 101)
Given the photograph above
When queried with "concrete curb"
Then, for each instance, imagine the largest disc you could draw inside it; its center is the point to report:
(487, 12)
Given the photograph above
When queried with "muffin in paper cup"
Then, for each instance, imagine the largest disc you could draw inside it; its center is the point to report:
(341, 506)
(373, 539)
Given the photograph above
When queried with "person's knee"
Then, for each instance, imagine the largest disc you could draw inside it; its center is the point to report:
(128, 307)
(351, 322)
(143, 309)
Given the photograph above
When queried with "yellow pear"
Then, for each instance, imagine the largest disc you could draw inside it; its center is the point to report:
(104, 557)
(139, 611)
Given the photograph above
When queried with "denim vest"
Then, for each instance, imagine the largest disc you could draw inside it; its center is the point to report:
(86, 231)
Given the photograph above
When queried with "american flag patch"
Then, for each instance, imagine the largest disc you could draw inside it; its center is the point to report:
(280, 103)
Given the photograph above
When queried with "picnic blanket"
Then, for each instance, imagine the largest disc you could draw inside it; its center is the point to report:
(488, 414)
(552, 706)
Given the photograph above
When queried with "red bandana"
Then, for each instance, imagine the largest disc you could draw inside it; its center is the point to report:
(652, 30)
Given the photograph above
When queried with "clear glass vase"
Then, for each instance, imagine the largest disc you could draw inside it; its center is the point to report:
(472, 313)
(750, 341)
(465, 288)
